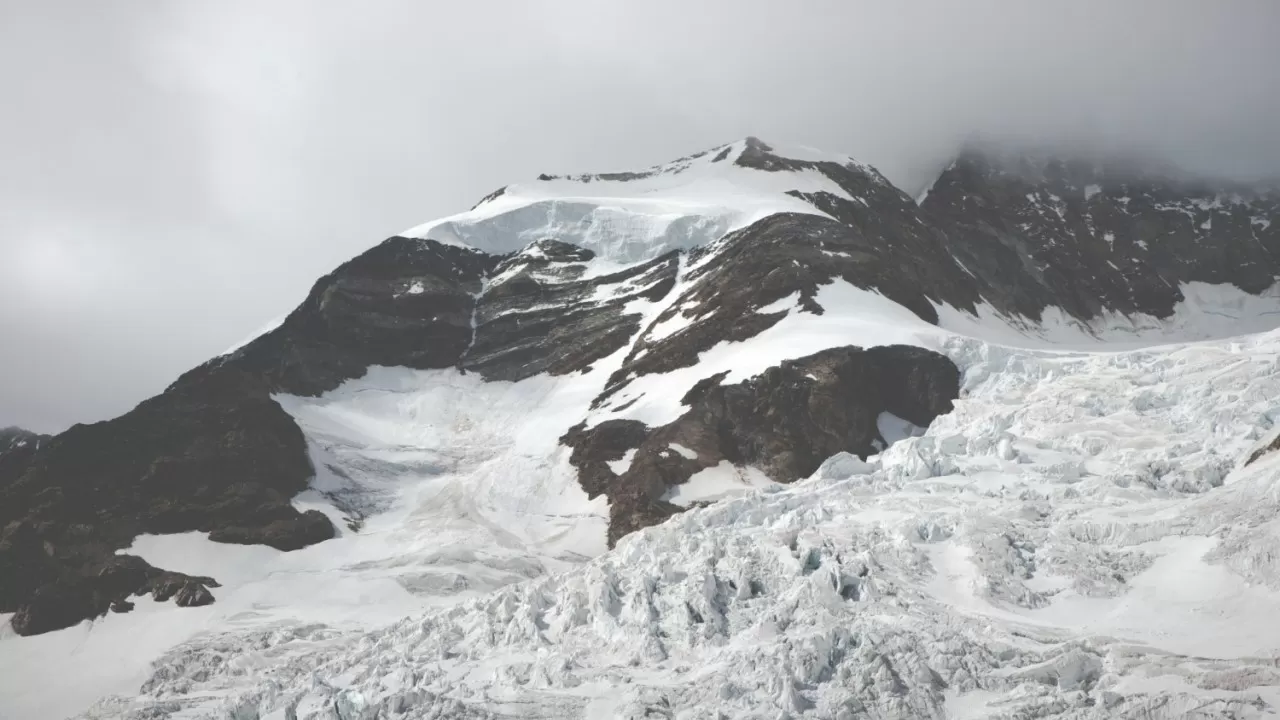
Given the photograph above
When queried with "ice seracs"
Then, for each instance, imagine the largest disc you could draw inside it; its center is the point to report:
(487, 401)
(1073, 541)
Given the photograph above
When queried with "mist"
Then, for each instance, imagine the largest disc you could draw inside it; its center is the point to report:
(175, 175)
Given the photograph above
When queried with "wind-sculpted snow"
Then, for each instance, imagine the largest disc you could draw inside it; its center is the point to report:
(1074, 540)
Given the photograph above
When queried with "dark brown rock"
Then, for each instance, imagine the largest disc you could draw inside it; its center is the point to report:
(1263, 451)
(193, 594)
(291, 533)
(594, 448)
(215, 452)
(58, 606)
(17, 447)
(76, 596)
(1093, 236)
(405, 302)
(540, 317)
(875, 241)
(785, 421)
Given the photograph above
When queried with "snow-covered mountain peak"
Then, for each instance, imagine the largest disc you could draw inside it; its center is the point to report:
(629, 217)
(458, 424)
(749, 152)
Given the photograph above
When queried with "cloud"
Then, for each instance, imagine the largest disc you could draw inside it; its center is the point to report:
(177, 174)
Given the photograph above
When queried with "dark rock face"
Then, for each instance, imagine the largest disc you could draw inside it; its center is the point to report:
(105, 585)
(785, 422)
(594, 448)
(405, 302)
(537, 315)
(1263, 451)
(211, 454)
(17, 447)
(875, 241)
(13, 439)
(1089, 237)
(214, 452)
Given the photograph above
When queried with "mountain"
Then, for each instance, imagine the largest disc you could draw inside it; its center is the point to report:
(17, 446)
(16, 439)
(1095, 237)
(898, 453)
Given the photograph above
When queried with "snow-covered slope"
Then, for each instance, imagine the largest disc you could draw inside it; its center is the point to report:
(1073, 541)
(1021, 555)
(631, 217)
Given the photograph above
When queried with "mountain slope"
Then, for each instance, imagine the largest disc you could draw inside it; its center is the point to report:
(499, 396)
(17, 444)
(1090, 238)
(1073, 541)
(214, 453)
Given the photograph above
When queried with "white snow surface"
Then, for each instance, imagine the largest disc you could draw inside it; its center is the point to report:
(718, 483)
(467, 490)
(1207, 312)
(852, 316)
(1075, 540)
(893, 428)
(679, 206)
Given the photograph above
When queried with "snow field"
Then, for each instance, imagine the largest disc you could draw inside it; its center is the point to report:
(679, 206)
(1075, 540)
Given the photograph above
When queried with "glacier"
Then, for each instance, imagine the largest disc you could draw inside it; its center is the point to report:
(1078, 539)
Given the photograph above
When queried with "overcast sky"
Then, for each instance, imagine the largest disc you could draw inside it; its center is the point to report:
(174, 174)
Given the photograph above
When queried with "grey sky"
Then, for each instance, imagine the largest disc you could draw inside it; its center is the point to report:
(173, 175)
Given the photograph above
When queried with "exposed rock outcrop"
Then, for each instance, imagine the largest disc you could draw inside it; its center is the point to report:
(876, 241)
(538, 314)
(216, 453)
(785, 422)
(68, 598)
(17, 447)
(15, 438)
(1091, 237)
(1266, 449)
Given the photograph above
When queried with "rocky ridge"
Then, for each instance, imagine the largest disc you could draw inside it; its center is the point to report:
(785, 422)
(17, 447)
(1074, 540)
(1092, 237)
(216, 453)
